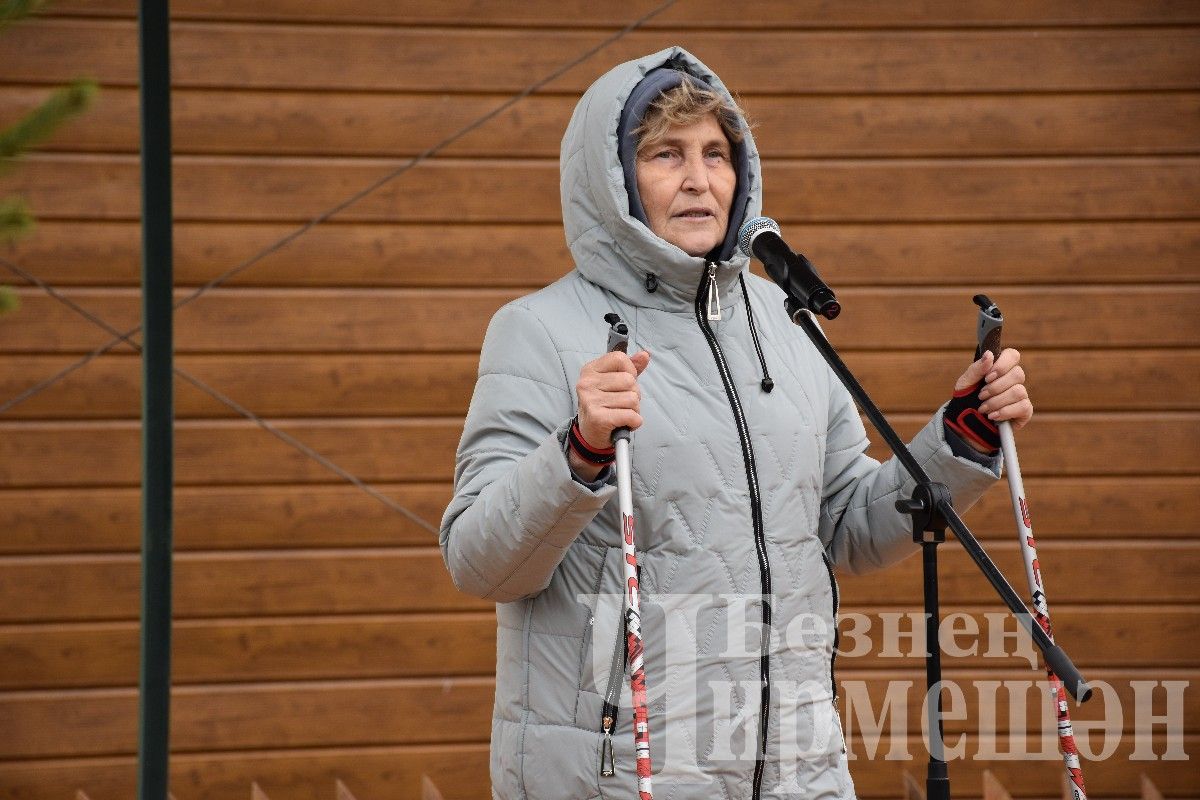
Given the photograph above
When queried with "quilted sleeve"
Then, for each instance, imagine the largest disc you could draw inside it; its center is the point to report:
(859, 525)
(516, 508)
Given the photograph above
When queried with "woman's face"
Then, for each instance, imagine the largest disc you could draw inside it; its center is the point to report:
(686, 180)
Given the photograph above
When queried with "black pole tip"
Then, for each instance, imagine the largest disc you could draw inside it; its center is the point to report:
(982, 301)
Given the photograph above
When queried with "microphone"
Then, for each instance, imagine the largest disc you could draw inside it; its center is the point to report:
(795, 274)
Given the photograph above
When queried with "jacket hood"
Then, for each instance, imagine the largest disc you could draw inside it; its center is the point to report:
(612, 247)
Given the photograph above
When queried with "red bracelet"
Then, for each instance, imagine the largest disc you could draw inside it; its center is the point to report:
(593, 455)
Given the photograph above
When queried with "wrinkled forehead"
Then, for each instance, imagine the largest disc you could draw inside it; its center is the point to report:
(705, 131)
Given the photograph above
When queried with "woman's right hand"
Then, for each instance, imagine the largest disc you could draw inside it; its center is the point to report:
(609, 398)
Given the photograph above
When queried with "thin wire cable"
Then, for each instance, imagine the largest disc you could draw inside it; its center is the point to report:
(292, 441)
(343, 205)
(283, 436)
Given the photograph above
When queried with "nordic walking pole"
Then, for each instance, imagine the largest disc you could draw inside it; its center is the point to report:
(990, 323)
(618, 339)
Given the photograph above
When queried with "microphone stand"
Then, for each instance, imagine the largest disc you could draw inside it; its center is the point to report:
(932, 511)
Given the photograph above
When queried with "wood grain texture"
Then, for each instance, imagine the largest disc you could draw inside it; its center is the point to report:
(354, 385)
(90, 654)
(1070, 569)
(231, 517)
(381, 581)
(233, 650)
(775, 14)
(237, 584)
(460, 772)
(104, 721)
(441, 190)
(390, 712)
(409, 59)
(47, 454)
(275, 123)
(531, 256)
(80, 520)
(415, 321)
(238, 452)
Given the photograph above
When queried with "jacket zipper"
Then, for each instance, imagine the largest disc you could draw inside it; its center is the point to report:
(837, 633)
(714, 296)
(608, 714)
(764, 566)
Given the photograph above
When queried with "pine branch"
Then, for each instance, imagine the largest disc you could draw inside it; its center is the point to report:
(38, 124)
(15, 219)
(14, 10)
(8, 300)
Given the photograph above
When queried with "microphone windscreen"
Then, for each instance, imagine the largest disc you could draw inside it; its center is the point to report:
(751, 229)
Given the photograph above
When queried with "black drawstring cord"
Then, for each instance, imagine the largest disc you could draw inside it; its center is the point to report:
(766, 383)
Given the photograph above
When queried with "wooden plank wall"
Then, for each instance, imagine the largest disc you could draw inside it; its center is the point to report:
(1046, 152)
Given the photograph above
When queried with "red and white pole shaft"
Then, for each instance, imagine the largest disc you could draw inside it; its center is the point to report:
(618, 339)
(990, 322)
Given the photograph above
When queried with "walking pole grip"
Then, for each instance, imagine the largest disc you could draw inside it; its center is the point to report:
(618, 339)
(991, 322)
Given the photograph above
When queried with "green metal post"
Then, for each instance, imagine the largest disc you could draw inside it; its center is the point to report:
(157, 401)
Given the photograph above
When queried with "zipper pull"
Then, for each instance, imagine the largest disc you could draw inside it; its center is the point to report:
(608, 762)
(714, 297)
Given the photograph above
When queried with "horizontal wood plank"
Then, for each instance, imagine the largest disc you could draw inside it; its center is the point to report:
(409, 59)
(104, 722)
(496, 256)
(247, 584)
(427, 384)
(234, 452)
(1002, 702)
(231, 122)
(1069, 569)
(107, 453)
(235, 650)
(460, 772)
(47, 454)
(205, 651)
(406, 319)
(415, 321)
(247, 188)
(79, 520)
(1078, 448)
(207, 517)
(282, 386)
(776, 14)
(362, 581)
(340, 714)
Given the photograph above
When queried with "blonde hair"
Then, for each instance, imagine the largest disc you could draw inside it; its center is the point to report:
(684, 105)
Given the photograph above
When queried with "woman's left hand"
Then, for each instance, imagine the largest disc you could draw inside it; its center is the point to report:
(1003, 396)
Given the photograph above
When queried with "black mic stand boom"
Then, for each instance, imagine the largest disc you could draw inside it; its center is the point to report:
(932, 512)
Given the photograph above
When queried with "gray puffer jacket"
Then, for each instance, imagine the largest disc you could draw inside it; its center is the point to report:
(746, 500)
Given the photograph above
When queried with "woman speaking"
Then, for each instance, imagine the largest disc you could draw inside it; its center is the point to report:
(750, 480)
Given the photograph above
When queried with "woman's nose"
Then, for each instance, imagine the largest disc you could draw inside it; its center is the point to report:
(695, 177)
